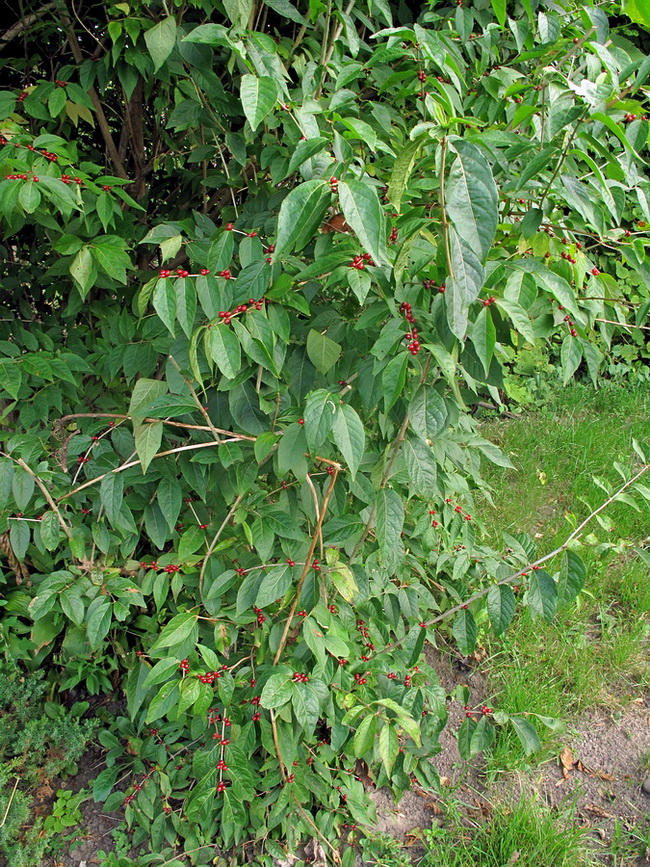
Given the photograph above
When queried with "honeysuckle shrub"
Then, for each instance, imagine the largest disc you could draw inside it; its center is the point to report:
(259, 262)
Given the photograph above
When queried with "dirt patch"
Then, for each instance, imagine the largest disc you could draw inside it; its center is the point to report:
(95, 833)
(600, 767)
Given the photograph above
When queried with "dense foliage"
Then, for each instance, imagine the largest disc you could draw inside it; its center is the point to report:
(260, 260)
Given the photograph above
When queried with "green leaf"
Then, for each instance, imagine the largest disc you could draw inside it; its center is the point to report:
(320, 409)
(421, 467)
(343, 580)
(19, 535)
(638, 11)
(164, 302)
(239, 772)
(500, 607)
(148, 438)
(390, 523)
(185, 304)
(304, 700)
(464, 738)
(239, 12)
(402, 168)
(6, 480)
(111, 492)
(531, 222)
(98, 620)
(365, 216)
(301, 213)
(258, 96)
(322, 351)
(482, 736)
(305, 150)
(145, 392)
(388, 747)
(484, 337)
(499, 8)
(465, 281)
(50, 531)
(472, 198)
(573, 574)
(393, 379)
(161, 671)
(541, 595)
(570, 357)
(160, 41)
(29, 197)
(166, 699)
(169, 496)
(11, 378)
(349, 436)
(427, 413)
(364, 737)
(178, 630)
(465, 631)
(22, 487)
(223, 347)
(273, 584)
(277, 689)
(527, 735)
(291, 452)
(83, 271)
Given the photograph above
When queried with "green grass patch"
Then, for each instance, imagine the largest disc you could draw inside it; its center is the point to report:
(524, 833)
(594, 654)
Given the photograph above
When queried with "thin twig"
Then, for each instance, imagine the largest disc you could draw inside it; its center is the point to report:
(623, 324)
(213, 543)
(11, 797)
(574, 535)
(41, 484)
(196, 400)
(308, 563)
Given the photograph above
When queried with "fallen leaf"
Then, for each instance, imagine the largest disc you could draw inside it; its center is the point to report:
(598, 811)
(566, 757)
(514, 857)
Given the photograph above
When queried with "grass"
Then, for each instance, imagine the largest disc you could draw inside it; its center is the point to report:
(594, 654)
(524, 833)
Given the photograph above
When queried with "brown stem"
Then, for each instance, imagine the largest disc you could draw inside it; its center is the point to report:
(443, 209)
(24, 24)
(308, 562)
(113, 154)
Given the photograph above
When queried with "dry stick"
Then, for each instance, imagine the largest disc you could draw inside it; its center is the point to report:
(21, 463)
(24, 24)
(213, 543)
(129, 464)
(206, 427)
(546, 557)
(11, 797)
(196, 400)
(623, 324)
(308, 562)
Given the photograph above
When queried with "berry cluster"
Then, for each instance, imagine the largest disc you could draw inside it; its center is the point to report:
(412, 335)
(360, 679)
(571, 323)
(226, 315)
(334, 184)
(299, 678)
(184, 665)
(181, 272)
(595, 272)
(568, 257)
(359, 262)
(393, 236)
(260, 617)
(209, 677)
(487, 302)
(422, 76)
